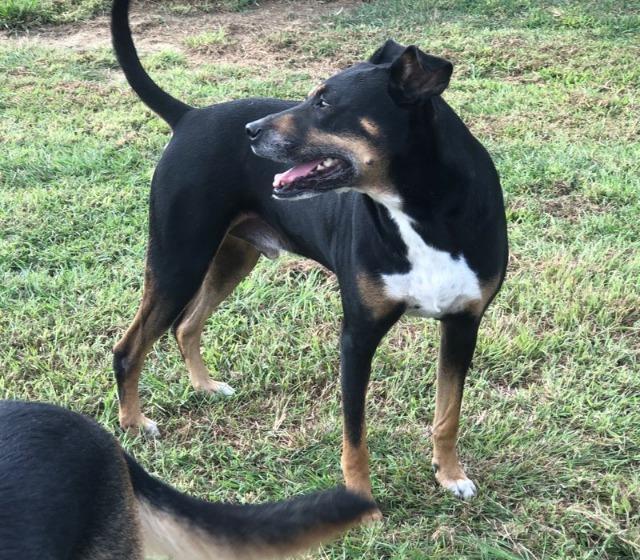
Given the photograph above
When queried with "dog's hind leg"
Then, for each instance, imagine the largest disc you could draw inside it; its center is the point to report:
(457, 345)
(151, 321)
(234, 260)
(180, 250)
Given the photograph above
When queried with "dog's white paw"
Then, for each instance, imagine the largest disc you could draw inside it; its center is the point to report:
(462, 488)
(139, 424)
(150, 428)
(214, 387)
(224, 389)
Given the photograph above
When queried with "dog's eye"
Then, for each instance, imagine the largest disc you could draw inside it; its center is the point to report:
(322, 102)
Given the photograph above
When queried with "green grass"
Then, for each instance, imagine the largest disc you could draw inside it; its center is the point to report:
(208, 42)
(21, 14)
(551, 417)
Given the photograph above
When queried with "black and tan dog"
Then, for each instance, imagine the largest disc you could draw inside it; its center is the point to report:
(69, 492)
(410, 219)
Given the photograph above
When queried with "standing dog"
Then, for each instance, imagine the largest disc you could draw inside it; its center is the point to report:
(410, 219)
(69, 492)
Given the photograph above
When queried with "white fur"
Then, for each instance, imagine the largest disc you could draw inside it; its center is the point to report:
(463, 488)
(437, 283)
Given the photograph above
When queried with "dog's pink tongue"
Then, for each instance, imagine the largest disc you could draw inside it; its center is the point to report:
(292, 174)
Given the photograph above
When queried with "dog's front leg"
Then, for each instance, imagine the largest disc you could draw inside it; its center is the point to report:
(457, 344)
(359, 340)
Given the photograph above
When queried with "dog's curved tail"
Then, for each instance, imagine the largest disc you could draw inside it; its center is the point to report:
(182, 527)
(158, 100)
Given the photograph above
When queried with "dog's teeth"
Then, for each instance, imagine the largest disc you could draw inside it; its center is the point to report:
(328, 162)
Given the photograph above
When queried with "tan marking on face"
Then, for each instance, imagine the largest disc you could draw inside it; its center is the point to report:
(285, 124)
(371, 164)
(316, 90)
(371, 128)
(373, 296)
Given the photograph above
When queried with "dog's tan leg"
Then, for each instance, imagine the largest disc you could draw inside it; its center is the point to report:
(129, 354)
(355, 468)
(355, 464)
(456, 350)
(234, 260)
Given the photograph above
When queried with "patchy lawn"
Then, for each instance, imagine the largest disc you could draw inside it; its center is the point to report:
(551, 417)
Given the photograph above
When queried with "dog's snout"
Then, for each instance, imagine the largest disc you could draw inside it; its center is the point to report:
(254, 129)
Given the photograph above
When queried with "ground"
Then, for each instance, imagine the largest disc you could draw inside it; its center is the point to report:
(551, 416)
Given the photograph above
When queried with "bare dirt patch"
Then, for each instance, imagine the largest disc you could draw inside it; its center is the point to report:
(267, 36)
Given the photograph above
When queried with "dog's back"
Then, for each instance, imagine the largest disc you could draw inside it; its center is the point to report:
(64, 487)
(68, 491)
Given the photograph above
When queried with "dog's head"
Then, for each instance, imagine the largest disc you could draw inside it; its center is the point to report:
(348, 130)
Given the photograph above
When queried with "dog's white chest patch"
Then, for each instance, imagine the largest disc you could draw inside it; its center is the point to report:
(437, 283)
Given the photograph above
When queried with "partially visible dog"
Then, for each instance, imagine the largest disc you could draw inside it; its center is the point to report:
(69, 492)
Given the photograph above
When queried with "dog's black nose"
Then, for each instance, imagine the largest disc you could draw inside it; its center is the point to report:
(254, 129)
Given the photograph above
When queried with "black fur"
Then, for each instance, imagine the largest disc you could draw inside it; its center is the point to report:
(62, 489)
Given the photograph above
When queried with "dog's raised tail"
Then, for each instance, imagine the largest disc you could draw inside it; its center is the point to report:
(158, 100)
(183, 527)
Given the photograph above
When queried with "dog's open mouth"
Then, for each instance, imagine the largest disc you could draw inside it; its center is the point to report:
(317, 175)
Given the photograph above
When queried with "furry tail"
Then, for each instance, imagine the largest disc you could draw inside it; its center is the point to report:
(182, 527)
(158, 100)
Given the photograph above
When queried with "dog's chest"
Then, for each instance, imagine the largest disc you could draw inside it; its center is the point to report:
(437, 283)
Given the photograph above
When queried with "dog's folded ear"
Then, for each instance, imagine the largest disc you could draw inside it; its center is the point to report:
(417, 76)
(387, 53)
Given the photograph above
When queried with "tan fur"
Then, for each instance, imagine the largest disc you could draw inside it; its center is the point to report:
(316, 90)
(234, 260)
(286, 124)
(446, 422)
(144, 330)
(488, 290)
(165, 536)
(355, 464)
(170, 537)
(371, 128)
(309, 541)
(373, 296)
(115, 534)
(128, 512)
(372, 164)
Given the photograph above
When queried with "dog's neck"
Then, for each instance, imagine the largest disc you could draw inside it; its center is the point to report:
(425, 175)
